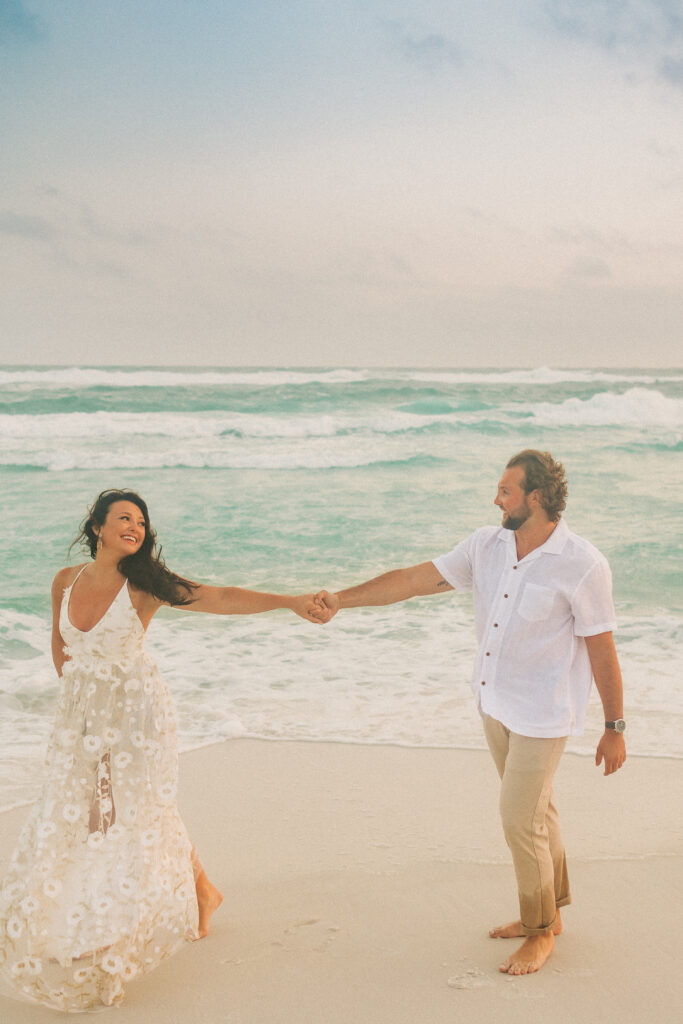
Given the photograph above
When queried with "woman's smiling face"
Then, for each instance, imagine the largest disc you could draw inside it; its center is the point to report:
(124, 528)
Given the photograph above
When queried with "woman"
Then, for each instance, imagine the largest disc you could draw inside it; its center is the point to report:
(104, 883)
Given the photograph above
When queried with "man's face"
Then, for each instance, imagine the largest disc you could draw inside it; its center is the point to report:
(511, 498)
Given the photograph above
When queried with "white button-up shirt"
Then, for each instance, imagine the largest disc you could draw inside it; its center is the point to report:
(532, 670)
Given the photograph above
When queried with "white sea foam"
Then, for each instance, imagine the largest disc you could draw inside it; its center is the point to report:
(541, 375)
(308, 453)
(384, 675)
(79, 378)
(344, 439)
(102, 424)
(636, 407)
(215, 424)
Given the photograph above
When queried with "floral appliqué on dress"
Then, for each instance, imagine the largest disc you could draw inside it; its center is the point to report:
(101, 885)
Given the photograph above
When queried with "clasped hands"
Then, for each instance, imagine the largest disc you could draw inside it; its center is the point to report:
(319, 608)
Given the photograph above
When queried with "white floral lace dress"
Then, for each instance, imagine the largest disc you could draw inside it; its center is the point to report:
(101, 885)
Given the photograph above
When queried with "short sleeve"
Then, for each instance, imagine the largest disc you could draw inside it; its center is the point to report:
(592, 603)
(456, 566)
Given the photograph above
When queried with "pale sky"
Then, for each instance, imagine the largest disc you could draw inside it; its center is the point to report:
(342, 182)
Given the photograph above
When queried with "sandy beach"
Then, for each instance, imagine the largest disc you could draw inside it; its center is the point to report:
(360, 883)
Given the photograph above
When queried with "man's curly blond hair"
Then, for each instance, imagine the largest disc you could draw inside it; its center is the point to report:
(543, 474)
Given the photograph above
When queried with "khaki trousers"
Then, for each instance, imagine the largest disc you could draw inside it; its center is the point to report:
(526, 765)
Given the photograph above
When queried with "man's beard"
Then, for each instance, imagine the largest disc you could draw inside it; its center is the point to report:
(514, 522)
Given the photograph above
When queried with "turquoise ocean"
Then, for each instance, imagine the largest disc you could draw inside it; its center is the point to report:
(291, 480)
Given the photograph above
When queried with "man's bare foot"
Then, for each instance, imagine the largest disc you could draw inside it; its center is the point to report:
(209, 899)
(514, 929)
(530, 956)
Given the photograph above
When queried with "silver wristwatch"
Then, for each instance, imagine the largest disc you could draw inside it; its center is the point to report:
(618, 725)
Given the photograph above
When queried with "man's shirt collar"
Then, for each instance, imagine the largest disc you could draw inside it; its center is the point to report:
(553, 546)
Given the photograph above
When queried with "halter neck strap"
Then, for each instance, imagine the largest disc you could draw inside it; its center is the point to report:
(82, 569)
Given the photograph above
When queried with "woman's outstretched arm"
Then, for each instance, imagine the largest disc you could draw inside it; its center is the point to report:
(237, 601)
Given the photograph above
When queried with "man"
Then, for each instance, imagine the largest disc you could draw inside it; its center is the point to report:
(544, 619)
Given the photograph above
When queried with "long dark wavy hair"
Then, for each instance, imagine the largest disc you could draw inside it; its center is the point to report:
(145, 569)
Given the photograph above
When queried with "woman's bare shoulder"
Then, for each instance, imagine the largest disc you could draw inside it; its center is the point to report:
(65, 577)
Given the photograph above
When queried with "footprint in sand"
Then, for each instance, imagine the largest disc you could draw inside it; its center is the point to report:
(319, 936)
(472, 978)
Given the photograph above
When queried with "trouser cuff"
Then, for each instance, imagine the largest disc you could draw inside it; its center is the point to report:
(538, 931)
(564, 902)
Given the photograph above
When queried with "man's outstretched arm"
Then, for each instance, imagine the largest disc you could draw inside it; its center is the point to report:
(390, 587)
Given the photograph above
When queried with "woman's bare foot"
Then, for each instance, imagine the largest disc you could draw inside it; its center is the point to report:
(514, 929)
(209, 899)
(530, 956)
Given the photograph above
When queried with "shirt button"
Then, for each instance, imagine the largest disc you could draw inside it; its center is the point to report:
(483, 682)
(504, 595)
(495, 625)
(514, 566)
(488, 654)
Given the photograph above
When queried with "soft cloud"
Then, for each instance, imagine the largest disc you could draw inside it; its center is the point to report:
(588, 271)
(588, 235)
(16, 22)
(70, 237)
(619, 23)
(26, 226)
(364, 182)
(372, 268)
(672, 70)
(429, 50)
(95, 227)
(649, 31)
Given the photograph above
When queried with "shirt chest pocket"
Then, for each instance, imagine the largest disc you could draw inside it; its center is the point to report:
(536, 602)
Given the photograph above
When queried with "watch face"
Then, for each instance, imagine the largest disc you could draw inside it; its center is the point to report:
(620, 725)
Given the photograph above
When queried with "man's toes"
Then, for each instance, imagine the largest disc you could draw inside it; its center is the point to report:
(518, 967)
